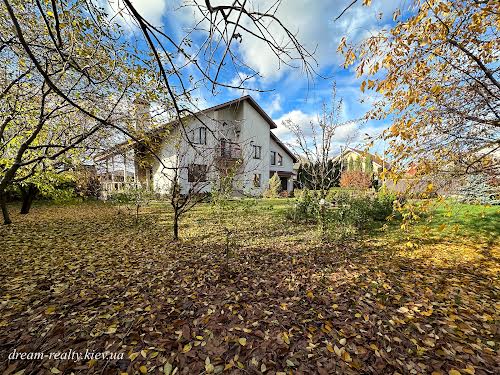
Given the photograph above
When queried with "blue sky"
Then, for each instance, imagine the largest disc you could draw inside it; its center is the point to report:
(289, 93)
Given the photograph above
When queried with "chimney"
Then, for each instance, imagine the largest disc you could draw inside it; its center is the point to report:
(141, 113)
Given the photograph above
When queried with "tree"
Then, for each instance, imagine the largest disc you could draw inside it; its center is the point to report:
(63, 81)
(355, 179)
(274, 188)
(71, 64)
(479, 189)
(315, 144)
(350, 165)
(436, 73)
(368, 168)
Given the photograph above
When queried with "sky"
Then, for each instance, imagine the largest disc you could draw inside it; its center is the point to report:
(288, 92)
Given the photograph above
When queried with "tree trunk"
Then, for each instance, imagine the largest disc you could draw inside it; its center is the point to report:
(28, 196)
(176, 227)
(5, 210)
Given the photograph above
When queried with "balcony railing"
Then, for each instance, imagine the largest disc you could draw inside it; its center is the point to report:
(119, 186)
(229, 150)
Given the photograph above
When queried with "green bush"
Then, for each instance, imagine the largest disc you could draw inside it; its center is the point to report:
(344, 213)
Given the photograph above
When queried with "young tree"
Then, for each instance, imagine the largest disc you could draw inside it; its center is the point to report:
(273, 191)
(314, 143)
(368, 168)
(436, 73)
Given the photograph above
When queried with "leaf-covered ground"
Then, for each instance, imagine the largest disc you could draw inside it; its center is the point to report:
(87, 277)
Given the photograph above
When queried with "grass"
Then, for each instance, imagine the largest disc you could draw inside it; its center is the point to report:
(86, 276)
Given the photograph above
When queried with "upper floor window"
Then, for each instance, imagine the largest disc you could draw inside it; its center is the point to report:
(273, 157)
(197, 173)
(199, 136)
(280, 160)
(257, 151)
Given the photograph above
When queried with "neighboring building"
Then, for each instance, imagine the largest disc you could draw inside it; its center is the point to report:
(236, 134)
(352, 156)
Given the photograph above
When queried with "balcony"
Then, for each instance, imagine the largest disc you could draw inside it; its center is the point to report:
(228, 154)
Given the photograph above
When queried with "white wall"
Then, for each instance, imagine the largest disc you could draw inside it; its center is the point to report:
(254, 130)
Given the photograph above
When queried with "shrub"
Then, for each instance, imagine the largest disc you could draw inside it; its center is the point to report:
(355, 179)
(274, 187)
(344, 213)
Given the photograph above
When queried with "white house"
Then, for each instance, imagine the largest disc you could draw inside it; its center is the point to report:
(234, 136)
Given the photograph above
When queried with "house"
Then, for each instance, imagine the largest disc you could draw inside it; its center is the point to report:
(355, 159)
(235, 137)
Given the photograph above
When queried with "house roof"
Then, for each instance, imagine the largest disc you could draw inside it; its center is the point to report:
(375, 158)
(235, 102)
(282, 145)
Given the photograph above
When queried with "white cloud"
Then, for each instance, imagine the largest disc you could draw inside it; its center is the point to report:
(351, 134)
(274, 106)
(313, 20)
(151, 10)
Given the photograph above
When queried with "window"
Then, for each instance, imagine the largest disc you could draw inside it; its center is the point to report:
(203, 135)
(257, 151)
(197, 173)
(273, 158)
(199, 136)
(280, 160)
(256, 180)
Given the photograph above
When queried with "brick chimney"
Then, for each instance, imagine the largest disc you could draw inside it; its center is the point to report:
(141, 113)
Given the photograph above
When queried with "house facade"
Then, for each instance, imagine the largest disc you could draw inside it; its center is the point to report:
(234, 138)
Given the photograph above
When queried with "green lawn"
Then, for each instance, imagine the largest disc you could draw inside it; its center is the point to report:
(87, 276)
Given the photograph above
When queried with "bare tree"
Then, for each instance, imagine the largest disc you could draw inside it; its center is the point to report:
(314, 143)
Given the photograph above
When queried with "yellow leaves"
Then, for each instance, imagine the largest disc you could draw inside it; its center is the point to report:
(167, 369)
(403, 310)
(54, 370)
(209, 367)
(329, 347)
(143, 369)
(285, 338)
(363, 84)
(367, 2)
(429, 342)
(111, 329)
(427, 312)
(133, 356)
(50, 310)
(454, 372)
(242, 341)
(469, 370)
(342, 44)
(187, 348)
(309, 294)
(346, 356)
(396, 14)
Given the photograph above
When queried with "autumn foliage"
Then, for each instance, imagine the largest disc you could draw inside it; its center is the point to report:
(84, 277)
(355, 179)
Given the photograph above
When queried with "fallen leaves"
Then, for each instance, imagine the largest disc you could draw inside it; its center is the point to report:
(184, 308)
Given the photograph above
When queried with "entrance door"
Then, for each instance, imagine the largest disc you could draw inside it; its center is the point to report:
(284, 183)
